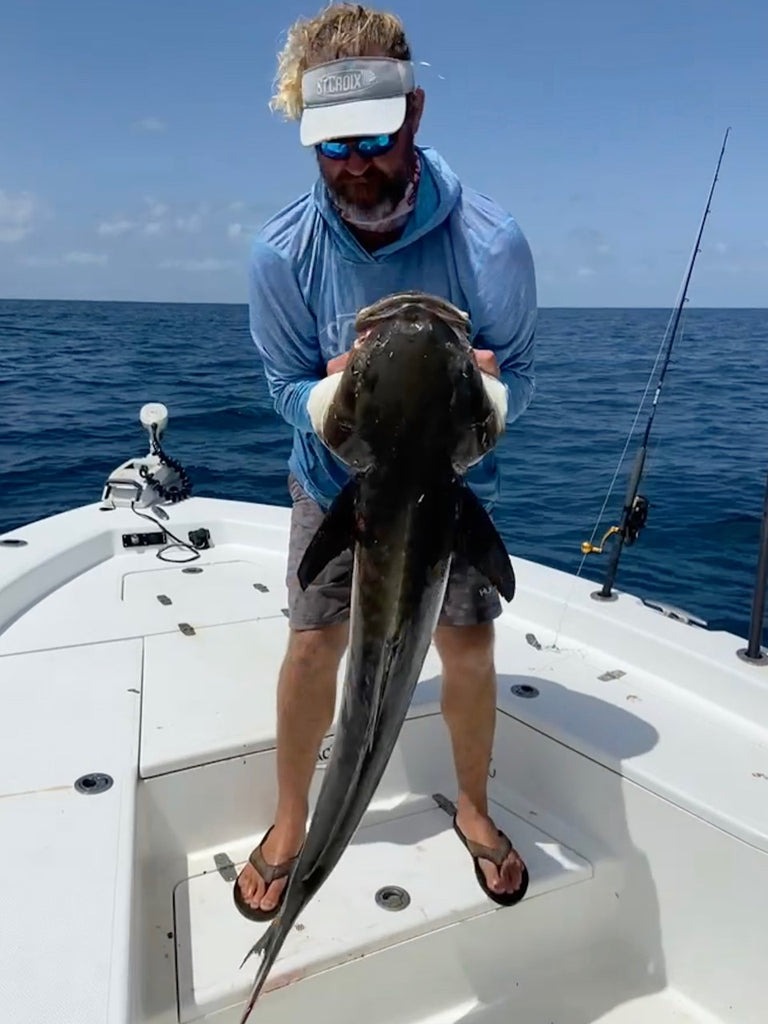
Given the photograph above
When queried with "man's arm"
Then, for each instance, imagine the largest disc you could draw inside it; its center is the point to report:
(504, 319)
(285, 334)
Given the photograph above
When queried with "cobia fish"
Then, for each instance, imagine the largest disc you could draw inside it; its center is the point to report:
(409, 414)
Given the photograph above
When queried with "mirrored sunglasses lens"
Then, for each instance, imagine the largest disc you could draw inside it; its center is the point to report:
(335, 150)
(373, 145)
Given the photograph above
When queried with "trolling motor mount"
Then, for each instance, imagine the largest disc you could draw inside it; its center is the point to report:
(153, 479)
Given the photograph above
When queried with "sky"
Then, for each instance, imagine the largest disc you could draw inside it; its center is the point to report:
(138, 154)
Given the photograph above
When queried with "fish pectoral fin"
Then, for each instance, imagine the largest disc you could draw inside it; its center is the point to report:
(479, 542)
(335, 533)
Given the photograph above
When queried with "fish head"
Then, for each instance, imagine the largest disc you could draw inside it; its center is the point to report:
(411, 391)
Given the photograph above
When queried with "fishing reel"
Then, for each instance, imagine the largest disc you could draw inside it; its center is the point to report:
(634, 520)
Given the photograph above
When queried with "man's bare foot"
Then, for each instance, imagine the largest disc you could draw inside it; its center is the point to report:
(478, 828)
(278, 847)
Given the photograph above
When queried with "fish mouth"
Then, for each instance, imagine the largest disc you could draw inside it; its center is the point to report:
(414, 305)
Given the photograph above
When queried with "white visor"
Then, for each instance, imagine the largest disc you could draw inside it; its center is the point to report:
(354, 96)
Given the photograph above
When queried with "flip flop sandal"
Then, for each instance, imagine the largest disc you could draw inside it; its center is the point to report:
(270, 873)
(497, 855)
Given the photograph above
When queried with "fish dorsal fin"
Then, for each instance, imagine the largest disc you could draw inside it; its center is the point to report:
(334, 535)
(479, 542)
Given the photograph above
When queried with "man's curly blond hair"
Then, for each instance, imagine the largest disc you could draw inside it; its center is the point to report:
(340, 30)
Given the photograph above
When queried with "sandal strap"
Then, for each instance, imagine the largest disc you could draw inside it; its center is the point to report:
(270, 872)
(496, 854)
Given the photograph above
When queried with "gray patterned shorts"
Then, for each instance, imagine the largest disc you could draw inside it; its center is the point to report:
(469, 600)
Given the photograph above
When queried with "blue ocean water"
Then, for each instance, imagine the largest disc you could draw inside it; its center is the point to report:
(73, 376)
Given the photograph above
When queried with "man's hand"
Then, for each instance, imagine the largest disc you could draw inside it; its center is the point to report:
(486, 361)
(337, 364)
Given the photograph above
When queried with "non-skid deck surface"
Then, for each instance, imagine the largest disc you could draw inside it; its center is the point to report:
(135, 594)
(668, 1007)
(419, 853)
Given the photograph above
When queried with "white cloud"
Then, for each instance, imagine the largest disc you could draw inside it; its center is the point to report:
(85, 258)
(191, 224)
(39, 261)
(204, 265)
(237, 206)
(156, 218)
(17, 215)
(115, 228)
(76, 257)
(152, 125)
(13, 233)
(156, 209)
(586, 272)
(242, 232)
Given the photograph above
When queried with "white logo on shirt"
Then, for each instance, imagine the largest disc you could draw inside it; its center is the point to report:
(340, 333)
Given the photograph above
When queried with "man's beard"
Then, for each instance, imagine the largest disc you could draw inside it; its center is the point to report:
(371, 200)
(370, 197)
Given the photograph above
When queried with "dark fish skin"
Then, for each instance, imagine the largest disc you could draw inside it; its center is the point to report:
(409, 416)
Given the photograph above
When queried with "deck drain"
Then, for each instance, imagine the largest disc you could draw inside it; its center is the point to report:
(94, 782)
(194, 570)
(13, 542)
(524, 690)
(392, 897)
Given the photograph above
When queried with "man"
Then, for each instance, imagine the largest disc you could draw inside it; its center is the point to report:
(383, 216)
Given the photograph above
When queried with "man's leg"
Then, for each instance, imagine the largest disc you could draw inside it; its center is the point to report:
(305, 700)
(306, 693)
(469, 710)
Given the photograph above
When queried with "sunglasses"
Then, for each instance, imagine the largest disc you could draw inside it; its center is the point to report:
(367, 147)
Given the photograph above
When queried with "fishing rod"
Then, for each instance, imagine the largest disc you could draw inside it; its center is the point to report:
(635, 511)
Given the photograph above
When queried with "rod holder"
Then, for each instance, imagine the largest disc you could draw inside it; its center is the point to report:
(753, 653)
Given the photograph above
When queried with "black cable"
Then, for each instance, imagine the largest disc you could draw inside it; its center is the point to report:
(179, 543)
(174, 493)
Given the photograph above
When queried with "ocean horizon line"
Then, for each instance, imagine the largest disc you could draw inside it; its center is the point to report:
(188, 302)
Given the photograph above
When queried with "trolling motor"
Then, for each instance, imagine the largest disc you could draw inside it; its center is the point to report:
(153, 479)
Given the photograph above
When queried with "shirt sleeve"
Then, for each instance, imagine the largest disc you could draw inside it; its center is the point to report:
(285, 334)
(505, 316)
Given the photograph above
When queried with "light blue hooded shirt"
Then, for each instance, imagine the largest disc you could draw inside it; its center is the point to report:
(309, 276)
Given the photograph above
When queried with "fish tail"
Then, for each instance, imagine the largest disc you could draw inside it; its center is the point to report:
(268, 946)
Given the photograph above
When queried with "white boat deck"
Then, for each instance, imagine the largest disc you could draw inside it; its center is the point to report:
(344, 921)
(635, 784)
